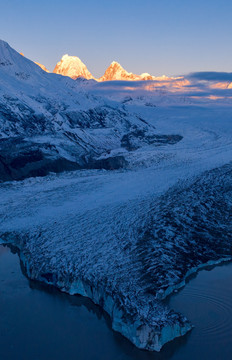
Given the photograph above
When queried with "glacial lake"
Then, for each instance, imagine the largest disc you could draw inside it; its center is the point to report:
(39, 322)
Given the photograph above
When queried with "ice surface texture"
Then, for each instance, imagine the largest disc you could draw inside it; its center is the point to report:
(125, 257)
(124, 238)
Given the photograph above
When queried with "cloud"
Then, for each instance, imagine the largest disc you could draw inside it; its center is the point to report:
(198, 85)
(215, 92)
(130, 84)
(210, 76)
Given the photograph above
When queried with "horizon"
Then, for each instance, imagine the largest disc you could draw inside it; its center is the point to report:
(196, 81)
(207, 76)
(135, 36)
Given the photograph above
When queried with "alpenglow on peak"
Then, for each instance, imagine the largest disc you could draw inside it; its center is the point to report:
(73, 67)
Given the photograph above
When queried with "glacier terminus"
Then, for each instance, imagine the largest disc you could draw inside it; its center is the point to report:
(115, 191)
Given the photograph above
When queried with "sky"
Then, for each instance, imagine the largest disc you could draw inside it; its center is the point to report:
(171, 37)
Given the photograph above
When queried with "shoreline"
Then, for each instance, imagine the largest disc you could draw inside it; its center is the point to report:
(140, 334)
(162, 295)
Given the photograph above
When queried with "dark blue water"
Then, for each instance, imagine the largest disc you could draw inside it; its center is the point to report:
(40, 322)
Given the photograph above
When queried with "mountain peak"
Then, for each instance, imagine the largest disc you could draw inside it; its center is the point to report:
(6, 53)
(4, 44)
(115, 63)
(14, 63)
(73, 67)
(116, 72)
(67, 57)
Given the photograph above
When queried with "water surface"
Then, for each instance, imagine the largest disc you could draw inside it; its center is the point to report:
(39, 322)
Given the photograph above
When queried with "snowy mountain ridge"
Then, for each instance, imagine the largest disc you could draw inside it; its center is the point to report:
(73, 67)
(125, 238)
(116, 72)
(51, 123)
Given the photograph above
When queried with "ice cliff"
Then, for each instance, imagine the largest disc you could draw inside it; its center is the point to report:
(125, 238)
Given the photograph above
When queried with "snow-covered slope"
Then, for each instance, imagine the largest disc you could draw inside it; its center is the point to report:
(73, 67)
(125, 238)
(50, 123)
(42, 66)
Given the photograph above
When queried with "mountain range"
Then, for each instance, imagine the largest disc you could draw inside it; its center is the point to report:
(51, 123)
(129, 237)
(73, 67)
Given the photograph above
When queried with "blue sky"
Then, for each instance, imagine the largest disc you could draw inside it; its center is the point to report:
(169, 37)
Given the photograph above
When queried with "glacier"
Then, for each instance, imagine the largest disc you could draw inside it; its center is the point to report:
(49, 123)
(126, 237)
